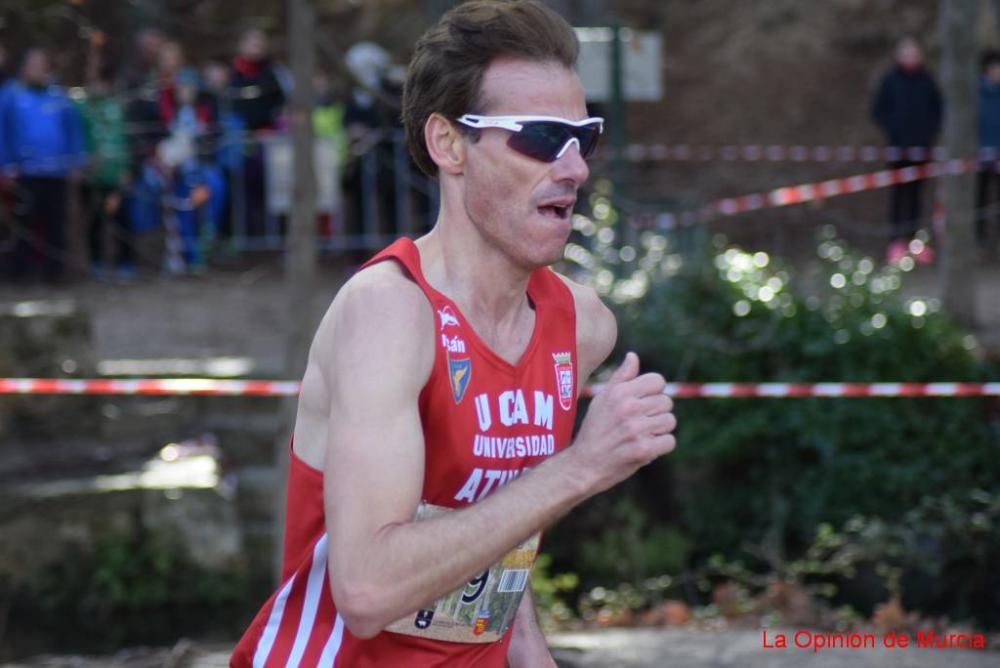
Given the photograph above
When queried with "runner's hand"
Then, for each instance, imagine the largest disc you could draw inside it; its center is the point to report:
(629, 424)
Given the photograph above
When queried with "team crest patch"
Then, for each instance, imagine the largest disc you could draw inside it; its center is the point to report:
(482, 622)
(459, 372)
(564, 379)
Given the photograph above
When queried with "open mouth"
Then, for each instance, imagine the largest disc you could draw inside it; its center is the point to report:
(556, 211)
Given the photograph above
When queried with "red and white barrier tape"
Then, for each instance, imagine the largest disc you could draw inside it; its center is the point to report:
(150, 386)
(791, 390)
(269, 388)
(805, 192)
(781, 153)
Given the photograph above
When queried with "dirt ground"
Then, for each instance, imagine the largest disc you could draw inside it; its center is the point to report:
(243, 314)
(223, 314)
(614, 648)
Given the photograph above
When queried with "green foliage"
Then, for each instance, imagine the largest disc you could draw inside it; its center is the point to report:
(126, 589)
(617, 604)
(787, 465)
(939, 557)
(765, 472)
(947, 549)
(629, 549)
(551, 593)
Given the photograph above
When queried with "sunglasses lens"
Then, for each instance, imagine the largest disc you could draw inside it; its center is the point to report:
(588, 136)
(541, 140)
(544, 140)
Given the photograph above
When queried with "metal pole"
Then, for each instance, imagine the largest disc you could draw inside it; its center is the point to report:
(958, 75)
(618, 129)
(300, 253)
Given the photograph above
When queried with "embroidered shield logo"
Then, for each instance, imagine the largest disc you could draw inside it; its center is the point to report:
(564, 378)
(459, 373)
(482, 621)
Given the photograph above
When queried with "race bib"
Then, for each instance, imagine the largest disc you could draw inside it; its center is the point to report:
(483, 609)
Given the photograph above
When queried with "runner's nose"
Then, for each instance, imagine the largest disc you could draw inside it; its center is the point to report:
(570, 165)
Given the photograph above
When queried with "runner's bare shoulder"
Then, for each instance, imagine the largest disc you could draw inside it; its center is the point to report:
(380, 314)
(596, 327)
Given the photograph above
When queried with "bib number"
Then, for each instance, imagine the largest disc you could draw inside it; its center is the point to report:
(484, 608)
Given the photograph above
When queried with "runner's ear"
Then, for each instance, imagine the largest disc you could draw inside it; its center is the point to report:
(444, 144)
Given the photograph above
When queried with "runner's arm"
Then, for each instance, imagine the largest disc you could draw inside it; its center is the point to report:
(382, 564)
(528, 648)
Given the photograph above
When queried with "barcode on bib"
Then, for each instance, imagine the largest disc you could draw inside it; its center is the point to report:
(513, 580)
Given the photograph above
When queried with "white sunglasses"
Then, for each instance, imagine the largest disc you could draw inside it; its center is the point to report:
(545, 138)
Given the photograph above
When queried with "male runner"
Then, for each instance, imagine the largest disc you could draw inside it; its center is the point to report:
(432, 442)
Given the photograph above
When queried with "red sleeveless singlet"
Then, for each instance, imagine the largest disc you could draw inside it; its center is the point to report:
(484, 422)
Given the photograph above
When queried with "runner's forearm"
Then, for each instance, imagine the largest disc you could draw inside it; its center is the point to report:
(409, 565)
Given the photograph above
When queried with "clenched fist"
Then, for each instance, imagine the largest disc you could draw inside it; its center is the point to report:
(629, 424)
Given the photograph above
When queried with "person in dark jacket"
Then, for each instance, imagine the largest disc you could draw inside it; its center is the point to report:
(42, 147)
(258, 101)
(988, 179)
(908, 108)
(4, 74)
(257, 95)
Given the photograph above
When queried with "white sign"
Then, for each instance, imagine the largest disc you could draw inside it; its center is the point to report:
(642, 79)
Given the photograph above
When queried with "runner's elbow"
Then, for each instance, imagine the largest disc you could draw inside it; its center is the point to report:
(361, 628)
(362, 608)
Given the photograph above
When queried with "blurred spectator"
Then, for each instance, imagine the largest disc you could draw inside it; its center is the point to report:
(144, 205)
(988, 180)
(182, 105)
(257, 95)
(107, 174)
(367, 62)
(158, 59)
(198, 193)
(8, 198)
(229, 141)
(257, 99)
(328, 124)
(142, 66)
(370, 117)
(41, 147)
(197, 183)
(185, 107)
(4, 72)
(328, 114)
(908, 108)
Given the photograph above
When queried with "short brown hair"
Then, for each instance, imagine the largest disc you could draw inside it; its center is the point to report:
(449, 61)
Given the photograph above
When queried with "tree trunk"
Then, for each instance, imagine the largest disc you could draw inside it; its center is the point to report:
(959, 78)
(301, 243)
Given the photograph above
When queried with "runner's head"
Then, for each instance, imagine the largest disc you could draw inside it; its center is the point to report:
(451, 59)
(493, 108)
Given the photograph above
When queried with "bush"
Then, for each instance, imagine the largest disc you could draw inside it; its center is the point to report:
(767, 472)
(127, 590)
(938, 559)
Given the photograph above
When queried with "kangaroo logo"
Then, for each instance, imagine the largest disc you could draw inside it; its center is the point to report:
(447, 317)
